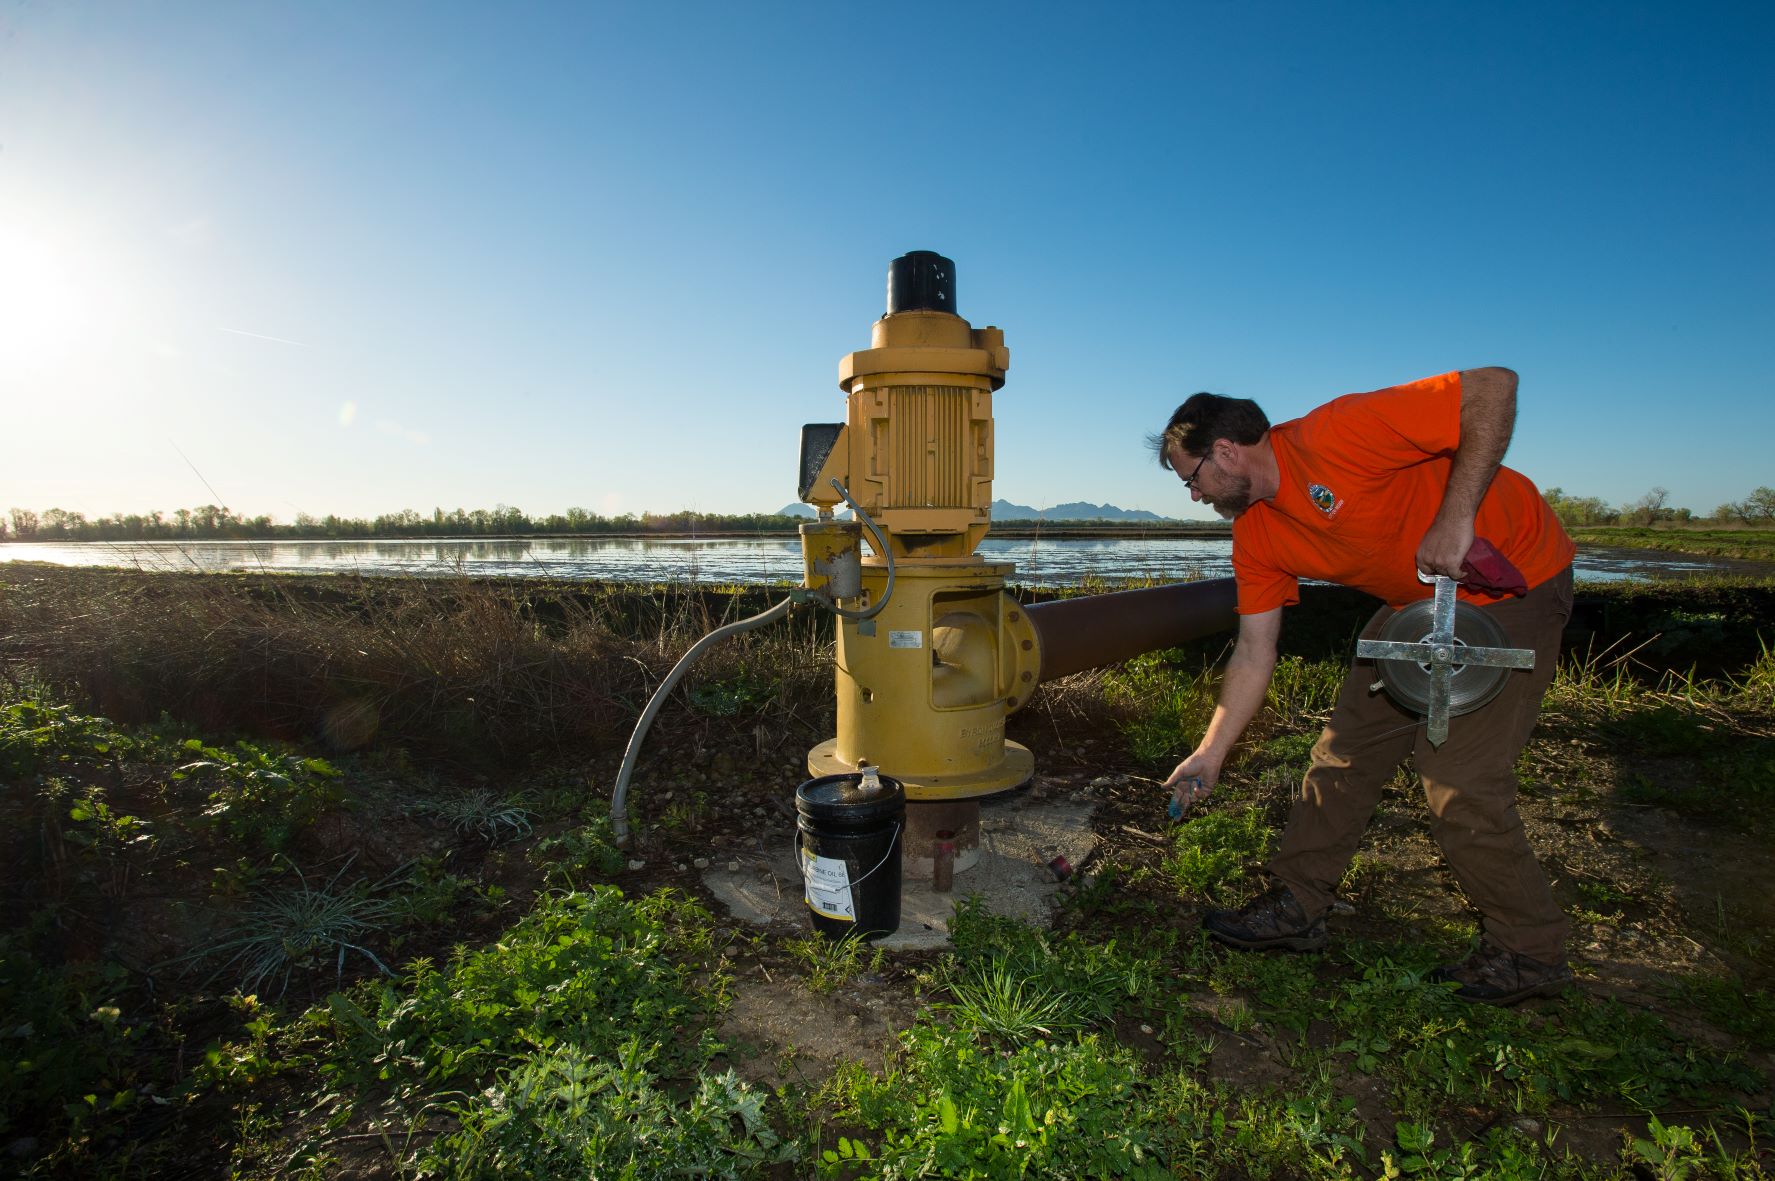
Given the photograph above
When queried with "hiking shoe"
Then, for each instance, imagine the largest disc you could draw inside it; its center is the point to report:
(1272, 920)
(1493, 976)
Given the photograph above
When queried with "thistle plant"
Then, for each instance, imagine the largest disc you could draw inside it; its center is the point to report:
(484, 813)
(281, 930)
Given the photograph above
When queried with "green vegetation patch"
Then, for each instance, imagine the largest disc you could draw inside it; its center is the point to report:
(1160, 710)
(38, 736)
(69, 1051)
(1301, 688)
(1434, 1049)
(1210, 853)
(951, 1107)
(1751, 544)
(569, 1113)
(591, 970)
(1012, 980)
(259, 795)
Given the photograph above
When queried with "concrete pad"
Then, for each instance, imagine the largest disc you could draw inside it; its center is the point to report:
(1019, 836)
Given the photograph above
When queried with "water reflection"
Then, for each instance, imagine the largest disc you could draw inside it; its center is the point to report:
(1039, 561)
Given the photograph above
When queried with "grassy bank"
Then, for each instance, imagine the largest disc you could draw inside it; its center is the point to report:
(313, 878)
(1747, 543)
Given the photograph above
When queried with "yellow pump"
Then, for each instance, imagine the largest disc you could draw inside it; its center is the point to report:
(925, 684)
(932, 654)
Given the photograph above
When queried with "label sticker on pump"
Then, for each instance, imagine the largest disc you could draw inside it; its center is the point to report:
(905, 639)
(827, 883)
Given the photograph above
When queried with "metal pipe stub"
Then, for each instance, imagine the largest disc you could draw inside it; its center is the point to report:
(960, 819)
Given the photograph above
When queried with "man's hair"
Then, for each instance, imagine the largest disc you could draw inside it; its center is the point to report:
(1207, 417)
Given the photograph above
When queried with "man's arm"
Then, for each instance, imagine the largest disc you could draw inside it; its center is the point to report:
(1488, 416)
(1241, 696)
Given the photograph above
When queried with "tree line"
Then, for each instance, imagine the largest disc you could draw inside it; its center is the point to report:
(214, 523)
(1652, 509)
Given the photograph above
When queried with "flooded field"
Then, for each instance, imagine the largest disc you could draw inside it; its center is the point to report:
(774, 559)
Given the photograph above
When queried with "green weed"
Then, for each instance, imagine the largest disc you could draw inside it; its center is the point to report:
(258, 796)
(745, 692)
(569, 1113)
(263, 1050)
(1221, 1131)
(1438, 1050)
(1603, 902)
(1596, 681)
(1664, 728)
(1501, 1157)
(113, 843)
(428, 894)
(1673, 1152)
(681, 815)
(1742, 1011)
(829, 963)
(578, 856)
(1286, 988)
(1292, 750)
(68, 1064)
(995, 1002)
(1088, 982)
(950, 1109)
(36, 734)
(1755, 686)
(1302, 688)
(1160, 709)
(587, 969)
(1209, 853)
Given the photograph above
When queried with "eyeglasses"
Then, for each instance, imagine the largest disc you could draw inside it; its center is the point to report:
(1189, 481)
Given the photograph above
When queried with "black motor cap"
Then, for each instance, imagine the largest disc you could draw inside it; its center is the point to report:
(921, 281)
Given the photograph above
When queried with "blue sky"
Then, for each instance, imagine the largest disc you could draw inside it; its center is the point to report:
(359, 257)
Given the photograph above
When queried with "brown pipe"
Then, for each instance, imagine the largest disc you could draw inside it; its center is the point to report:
(1095, 630)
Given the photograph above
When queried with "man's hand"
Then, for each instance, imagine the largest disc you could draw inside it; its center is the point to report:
(1444, 548)
(1241, 696)
(1193, 780)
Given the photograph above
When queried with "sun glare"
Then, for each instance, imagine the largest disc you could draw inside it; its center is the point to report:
(46, 311)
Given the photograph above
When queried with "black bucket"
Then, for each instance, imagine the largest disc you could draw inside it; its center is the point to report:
(849, 851)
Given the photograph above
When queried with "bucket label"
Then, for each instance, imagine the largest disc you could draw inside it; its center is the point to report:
(905, 639)
(827, 882)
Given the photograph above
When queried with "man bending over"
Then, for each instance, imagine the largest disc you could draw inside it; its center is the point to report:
(1367, 491)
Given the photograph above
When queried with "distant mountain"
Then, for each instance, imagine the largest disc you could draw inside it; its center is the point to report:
(1004, 510)
(1073, 510)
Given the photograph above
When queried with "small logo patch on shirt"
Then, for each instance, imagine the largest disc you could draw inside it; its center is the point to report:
(1325, 498)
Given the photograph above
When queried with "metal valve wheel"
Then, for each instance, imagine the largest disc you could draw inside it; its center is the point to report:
(1469, 685)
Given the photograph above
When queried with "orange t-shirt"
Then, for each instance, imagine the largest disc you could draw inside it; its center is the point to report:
(1362, 479)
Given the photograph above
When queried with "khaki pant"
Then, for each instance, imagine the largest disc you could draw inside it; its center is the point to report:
(1470, 784)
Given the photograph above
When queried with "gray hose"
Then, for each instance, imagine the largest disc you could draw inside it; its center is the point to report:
(619, 796)
(619, 813)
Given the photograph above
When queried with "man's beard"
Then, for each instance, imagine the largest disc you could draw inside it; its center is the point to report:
(1235, 502)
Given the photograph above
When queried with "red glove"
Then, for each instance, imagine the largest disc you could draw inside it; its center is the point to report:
(1490, 571)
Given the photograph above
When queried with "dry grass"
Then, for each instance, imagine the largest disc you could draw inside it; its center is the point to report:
(454, 669)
